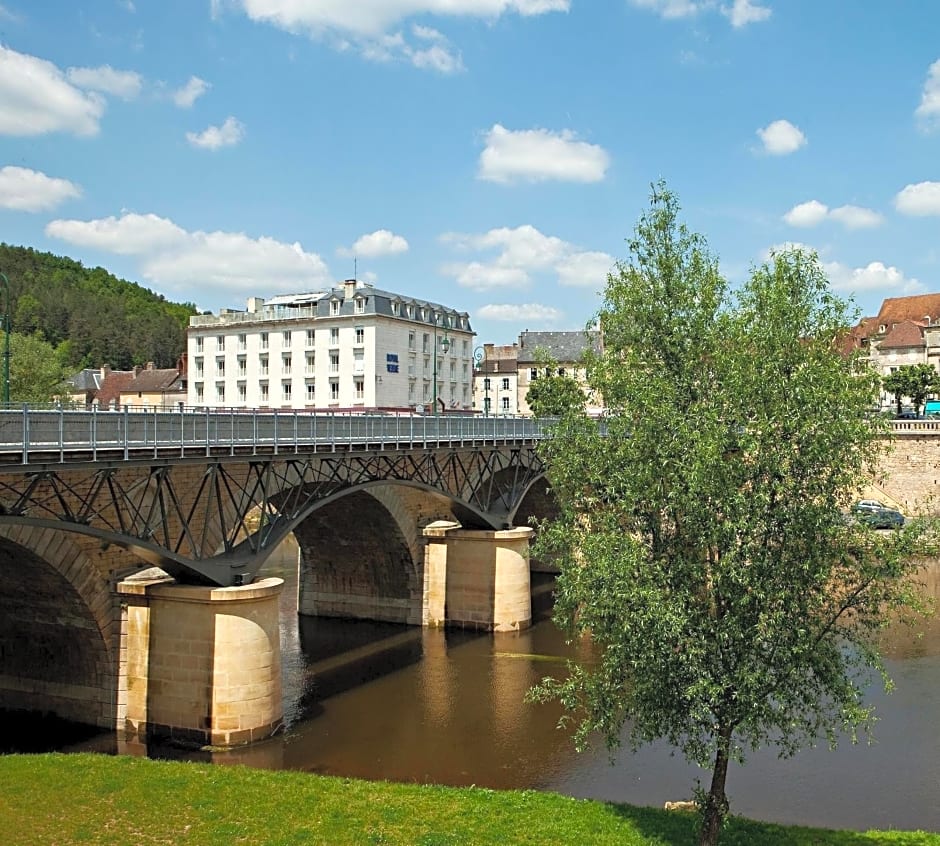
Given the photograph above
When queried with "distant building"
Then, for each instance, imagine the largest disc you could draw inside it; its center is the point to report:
(905, 331)
(144, 386)
(351, 348)
(504, 373)
(565, 348)
(495, 380)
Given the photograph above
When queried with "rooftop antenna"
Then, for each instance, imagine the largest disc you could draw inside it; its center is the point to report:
(355, 267)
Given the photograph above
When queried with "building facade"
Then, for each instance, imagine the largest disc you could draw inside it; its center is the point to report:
(352, 348)
(495, 380)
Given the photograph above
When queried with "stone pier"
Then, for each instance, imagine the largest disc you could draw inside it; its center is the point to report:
(200, 664)
(478, 579)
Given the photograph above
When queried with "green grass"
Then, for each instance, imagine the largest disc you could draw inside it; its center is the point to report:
(59, 800)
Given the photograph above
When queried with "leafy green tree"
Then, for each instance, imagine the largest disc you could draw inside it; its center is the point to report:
(36, 371)
(702, 540)
(553, 394)
(915, 381)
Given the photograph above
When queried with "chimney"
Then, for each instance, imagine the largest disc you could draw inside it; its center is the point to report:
(105, 370)
(255, 304)
(137, 369)
(349, 288)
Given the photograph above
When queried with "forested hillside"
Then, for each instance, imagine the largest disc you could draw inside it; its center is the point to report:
(89, 316)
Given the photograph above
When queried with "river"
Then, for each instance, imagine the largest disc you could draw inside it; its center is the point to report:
(391, 702)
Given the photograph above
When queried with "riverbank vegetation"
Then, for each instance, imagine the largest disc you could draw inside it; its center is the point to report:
(126, 801)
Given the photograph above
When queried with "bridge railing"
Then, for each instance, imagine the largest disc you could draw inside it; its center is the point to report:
(34, 435)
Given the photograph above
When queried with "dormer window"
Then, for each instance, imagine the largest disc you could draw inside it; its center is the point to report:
(360, 305)
(396, 308)
(883, 328)
(424, 314)
(411, 311)
(334, 307)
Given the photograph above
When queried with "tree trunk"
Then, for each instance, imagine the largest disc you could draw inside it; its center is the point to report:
(716, 802)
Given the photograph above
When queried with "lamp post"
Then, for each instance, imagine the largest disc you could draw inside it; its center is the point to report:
(6, 342)
(445, 346)
(479, 356)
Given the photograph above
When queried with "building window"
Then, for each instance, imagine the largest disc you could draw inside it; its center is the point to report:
(242, 393)
(396, 309)
(453, 369)
(360, 336)
(533, 374)
(220, 366)
(486, 384)
(285, 338)
(220, 342)
(466, 348)
(486, 404)
(424, 314)
(263, 391)
(199, 393)
(264, 340)
(334, 307)
(199, 342)
(411, 392)
(286, 391)
(311, 362)
(220, 394)
(465, 371)
(334, 336)
(242, 366)
(426, 343)
(464, 394)
(505, 403)
(311, 393)
(263, 365)
(411, 340)
(360, 386)
(334, 362)
(286, 364)
(359, 365)
(199, 368)
(427, 366)
(311, 335)
(411, 311)
(334, 391)
(411, 365)
(360, 305)
(506, 383)
(242, 342)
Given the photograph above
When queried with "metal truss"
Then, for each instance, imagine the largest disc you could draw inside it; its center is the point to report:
(219, 525)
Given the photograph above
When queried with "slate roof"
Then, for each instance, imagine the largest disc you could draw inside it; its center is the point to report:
(562, 346)
(88, 379)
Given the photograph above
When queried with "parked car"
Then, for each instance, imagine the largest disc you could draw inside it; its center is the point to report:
(877, 515)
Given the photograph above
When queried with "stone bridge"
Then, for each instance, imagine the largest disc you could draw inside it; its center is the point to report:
(423, 526)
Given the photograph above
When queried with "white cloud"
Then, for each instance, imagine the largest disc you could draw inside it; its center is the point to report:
(875, 276)
(214, 137)
(36, 98)
(524, 251)
(856, 217)
(813, 212)
(807, 214)
(928, 112)
(921, 199)
(586, 269)
(523, 311)
(671, 8)
(744, 12)
(367, 25)
(781, 138)
(378, 243)
(536, 155)
(185, 96)
(176, 259)
(123, 84)
(486, 277)
(22, 189)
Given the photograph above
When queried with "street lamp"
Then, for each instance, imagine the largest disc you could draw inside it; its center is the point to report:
(6, 343)
(479, 356)
(445, 346)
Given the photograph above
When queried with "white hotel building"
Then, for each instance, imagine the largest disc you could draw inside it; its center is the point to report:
(353, 348)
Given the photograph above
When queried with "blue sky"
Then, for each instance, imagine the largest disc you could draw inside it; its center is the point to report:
(492, 155)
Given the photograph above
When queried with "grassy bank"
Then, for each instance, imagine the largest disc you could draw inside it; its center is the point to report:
(71, 799)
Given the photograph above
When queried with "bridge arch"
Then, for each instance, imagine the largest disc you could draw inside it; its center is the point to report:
(58, 628)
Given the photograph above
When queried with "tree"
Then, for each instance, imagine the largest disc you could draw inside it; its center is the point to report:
(36, 371)
(553, 394)
(702, 538)
(915, 381)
